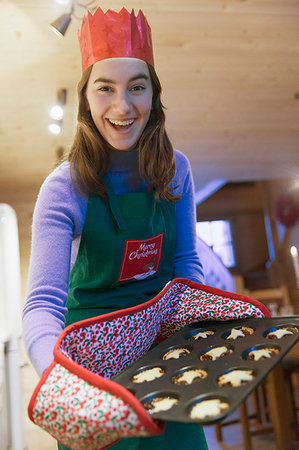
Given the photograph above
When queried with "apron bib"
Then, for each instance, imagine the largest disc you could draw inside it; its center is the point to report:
(126, 253)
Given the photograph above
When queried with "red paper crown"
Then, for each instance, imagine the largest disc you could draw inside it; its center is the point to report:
(115, 35)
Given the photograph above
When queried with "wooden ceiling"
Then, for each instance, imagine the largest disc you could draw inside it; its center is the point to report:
(229, 71)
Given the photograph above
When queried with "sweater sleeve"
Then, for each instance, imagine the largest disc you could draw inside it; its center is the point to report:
(59, 214)
(187, 263)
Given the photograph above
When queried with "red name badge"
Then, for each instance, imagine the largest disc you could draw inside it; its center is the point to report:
(141, 258)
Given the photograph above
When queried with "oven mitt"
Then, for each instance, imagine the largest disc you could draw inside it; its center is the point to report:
(75, 400)
(188, 302)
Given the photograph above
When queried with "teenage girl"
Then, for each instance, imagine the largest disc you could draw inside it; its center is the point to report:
(116, 220)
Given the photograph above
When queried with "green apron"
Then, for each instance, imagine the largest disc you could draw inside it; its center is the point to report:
(126, 256)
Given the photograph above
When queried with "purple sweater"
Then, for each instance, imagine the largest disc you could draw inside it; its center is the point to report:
(58, 221)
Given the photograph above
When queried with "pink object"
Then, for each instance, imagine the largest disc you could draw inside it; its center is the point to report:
(115, 35)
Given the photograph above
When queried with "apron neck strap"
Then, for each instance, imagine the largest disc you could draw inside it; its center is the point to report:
(113, 203)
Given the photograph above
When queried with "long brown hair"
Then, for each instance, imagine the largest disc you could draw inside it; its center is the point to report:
(89, 154)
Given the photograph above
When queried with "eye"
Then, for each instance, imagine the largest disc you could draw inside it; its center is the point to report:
(138, 88)
(105, 89)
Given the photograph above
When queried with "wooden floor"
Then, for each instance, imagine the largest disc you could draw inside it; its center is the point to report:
(232, 439)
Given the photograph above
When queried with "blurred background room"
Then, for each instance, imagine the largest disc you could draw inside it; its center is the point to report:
(230, 76)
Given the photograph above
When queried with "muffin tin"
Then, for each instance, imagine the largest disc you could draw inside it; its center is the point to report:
(187, 396)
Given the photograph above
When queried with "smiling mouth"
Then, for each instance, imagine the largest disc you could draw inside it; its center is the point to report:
(121, 124)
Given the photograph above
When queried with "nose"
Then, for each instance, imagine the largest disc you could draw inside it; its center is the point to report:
(121, 103)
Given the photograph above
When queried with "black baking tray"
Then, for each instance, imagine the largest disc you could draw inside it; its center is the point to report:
(189, 395)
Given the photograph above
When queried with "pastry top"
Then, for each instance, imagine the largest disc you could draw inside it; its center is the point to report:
(235, 333)
(158, 404)
(176, 353)
(202, 335)
(208, 408)
(148, 375)
(190, 376)
(216, 353)
(236, 377)
(281, 332)
(262, 353)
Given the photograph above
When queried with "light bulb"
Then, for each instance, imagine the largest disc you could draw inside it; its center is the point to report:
(63, 2)
(54, 128)
(56, 112)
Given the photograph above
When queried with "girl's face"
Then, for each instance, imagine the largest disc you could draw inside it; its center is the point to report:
(119, 96)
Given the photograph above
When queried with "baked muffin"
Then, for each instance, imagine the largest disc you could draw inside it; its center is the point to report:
(176, 353)
(236, 377)
(158, 404)
(208, 408)
(201, 335)
(148, 375)
(189, 376)
(215, 353)
(236, 333)
(281, 332)
(263, 353)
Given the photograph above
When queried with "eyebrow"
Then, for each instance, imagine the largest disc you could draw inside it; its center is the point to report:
(136, 77)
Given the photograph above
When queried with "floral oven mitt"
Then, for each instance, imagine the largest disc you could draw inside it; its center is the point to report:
(75, 400)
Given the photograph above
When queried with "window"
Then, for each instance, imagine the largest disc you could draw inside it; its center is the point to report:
(217, 234)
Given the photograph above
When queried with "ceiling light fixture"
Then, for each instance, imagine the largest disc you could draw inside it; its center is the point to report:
(54, 128)
(63, 2)
(61, 24)
(56, 112)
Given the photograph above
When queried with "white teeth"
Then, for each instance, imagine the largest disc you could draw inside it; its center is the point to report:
(121, 123)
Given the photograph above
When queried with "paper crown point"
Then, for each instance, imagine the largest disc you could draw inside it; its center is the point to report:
(115, 35)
